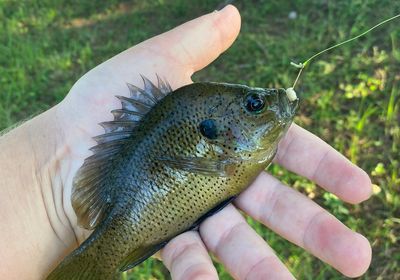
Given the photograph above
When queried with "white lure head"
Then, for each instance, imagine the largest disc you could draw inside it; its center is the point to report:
(291, 94)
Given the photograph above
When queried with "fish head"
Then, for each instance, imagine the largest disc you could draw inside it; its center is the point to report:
(247, 123)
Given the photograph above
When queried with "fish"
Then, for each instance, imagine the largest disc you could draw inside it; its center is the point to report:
(168, 160)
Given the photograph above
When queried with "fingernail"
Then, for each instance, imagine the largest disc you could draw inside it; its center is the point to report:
(223, 5)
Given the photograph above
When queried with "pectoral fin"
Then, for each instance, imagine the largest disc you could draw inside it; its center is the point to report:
(205, 166)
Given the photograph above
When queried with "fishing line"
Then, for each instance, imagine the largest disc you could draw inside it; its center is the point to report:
(301, 66)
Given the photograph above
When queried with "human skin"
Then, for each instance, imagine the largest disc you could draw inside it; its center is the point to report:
(38, 160)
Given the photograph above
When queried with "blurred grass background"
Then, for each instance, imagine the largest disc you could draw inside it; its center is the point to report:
(350, 97)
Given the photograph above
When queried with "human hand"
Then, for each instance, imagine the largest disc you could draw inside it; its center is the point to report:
(176, 55)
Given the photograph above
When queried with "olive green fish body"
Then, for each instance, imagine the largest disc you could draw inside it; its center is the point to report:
(190, 153)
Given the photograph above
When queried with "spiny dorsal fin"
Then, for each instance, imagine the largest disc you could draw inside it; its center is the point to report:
(91, 195)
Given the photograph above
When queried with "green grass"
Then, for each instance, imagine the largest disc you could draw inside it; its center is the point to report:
(350, 97)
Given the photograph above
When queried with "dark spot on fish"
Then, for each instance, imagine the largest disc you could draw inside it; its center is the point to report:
(208, 128)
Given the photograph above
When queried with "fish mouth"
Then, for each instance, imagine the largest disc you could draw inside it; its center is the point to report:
(287, 108)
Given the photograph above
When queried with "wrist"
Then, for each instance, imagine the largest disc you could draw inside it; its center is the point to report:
(72, 147)
(35, 170)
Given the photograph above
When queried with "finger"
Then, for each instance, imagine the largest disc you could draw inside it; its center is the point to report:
(306, 224)
(244, 253)
(186, 258)
(304, 153)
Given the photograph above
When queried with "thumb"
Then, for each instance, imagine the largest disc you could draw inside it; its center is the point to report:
(197, 43)
(174, 55)
(180, 52)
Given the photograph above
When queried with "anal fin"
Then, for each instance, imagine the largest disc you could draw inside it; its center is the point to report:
(140, 255)
(213, 211)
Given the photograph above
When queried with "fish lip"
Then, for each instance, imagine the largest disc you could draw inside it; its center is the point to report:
(294, 106)
(289, 108)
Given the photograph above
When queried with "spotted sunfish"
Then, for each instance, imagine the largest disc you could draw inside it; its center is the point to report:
(167, 161)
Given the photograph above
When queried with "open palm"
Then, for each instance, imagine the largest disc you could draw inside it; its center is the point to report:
(175, 56)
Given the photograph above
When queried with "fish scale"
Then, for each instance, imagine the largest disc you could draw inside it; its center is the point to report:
(162, 175)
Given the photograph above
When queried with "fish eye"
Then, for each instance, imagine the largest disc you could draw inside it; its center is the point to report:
(208, 128)
(255, 103)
